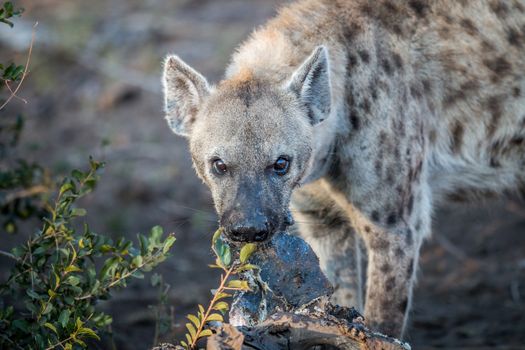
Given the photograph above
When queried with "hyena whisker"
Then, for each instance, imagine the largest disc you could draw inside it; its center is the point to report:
(208, 213)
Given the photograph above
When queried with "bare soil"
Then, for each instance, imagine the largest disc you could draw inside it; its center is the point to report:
(94, 88)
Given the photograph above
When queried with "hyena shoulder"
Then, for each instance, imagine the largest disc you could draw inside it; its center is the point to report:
(451, 73)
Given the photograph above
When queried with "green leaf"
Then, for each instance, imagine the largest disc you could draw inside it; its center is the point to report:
(191, 329)
(216, 235)
(223, 252)
(78, 341)
(39, 250)
(33, 294)
(88, 333)
(138, 274)
(78, 323)
(156, 280)
(238, 284)
(72, 268)
(215, 317)
(168, 243)
(57, 280)
(8, 5)
(156, 234)
(205, 333)
(201, 310)
(144, 244)
(47, 309)
(50, 326)
(222, 296)
(64, 317)
(72, 280)
(247, 267)
(137, 261)
(106, 248)
(108, 268)
(194, 320)
(78, 212)
(78, 175)
(246, 251)
(221, 306)
(68, 186)
(21, 324)
(18, 72)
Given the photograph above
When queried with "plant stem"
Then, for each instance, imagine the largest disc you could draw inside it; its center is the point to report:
(210, 306)
(13, 93)
(124, 276)
(59, 343)
(9, 255)
(29, 192)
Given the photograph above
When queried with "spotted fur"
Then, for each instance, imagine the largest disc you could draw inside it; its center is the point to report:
(426, 104)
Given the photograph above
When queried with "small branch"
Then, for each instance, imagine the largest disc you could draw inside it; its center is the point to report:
(13, 93)
(29, 192)
(222, 286)
(9, 255)
(59, 343)
(124, 276)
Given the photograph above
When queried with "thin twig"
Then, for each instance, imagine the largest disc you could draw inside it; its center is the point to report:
(13, 93)
(28, 192)
(59, 343)
(9, 255)
(224, 279)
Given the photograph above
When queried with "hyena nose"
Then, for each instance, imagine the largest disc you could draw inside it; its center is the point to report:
(250, 232)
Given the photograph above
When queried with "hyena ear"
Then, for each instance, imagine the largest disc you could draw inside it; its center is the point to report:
(311, 83)
(184, 90)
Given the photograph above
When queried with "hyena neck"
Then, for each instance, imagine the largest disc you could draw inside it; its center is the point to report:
(271, 55)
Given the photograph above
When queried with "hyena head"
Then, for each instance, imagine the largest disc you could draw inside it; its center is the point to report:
(250, 139)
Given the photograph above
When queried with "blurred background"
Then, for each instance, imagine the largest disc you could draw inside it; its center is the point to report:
(94, 89)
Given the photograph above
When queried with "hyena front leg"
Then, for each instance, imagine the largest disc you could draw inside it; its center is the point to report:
(392, 226)
(393, 242)
(328, 231)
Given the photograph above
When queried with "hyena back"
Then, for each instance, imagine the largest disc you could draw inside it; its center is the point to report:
(381, 110)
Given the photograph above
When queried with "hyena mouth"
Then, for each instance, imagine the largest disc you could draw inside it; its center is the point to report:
(257, 229)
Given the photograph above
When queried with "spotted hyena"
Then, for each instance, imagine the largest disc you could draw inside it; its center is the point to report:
(370, 113)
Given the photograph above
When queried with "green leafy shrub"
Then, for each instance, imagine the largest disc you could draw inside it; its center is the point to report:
(218, 305)
(10, 72)
(62, 271)
(163, 311)
(22, 183)
(8, 11)
(56, 281)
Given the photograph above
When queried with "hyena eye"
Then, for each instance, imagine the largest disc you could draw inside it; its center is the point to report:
(219, 167)
(281, 166)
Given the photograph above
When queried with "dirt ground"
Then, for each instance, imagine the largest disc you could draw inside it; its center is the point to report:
(94, 88)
